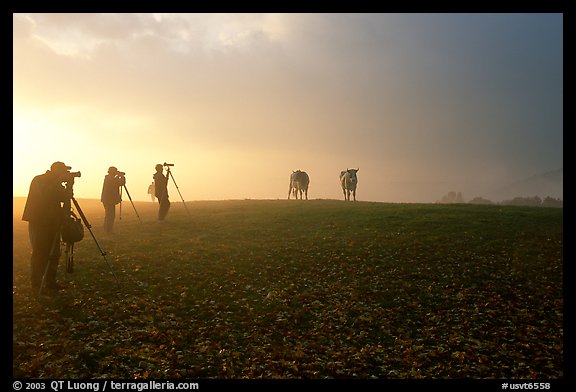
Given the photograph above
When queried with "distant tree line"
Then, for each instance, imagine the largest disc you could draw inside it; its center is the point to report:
(535, 201)
(452, 197)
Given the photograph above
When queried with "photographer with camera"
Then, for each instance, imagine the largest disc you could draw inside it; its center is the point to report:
(111, 195)
(47, 205)
(161, 191)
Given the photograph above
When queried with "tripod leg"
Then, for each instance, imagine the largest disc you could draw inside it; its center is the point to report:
(133, 206)
(69, 257)
(178, 189)
(120, 215)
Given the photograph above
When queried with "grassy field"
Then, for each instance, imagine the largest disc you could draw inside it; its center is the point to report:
(300, 289)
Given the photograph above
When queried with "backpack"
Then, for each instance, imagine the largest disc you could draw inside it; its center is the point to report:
(72, 229)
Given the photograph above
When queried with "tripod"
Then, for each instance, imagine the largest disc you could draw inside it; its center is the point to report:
(133, 206)
(169, 174)
(70, 246)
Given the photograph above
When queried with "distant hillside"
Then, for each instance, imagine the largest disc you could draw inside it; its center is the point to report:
(544, 184)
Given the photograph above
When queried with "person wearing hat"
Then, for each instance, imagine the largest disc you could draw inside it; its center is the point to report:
(111, 196)
(44, 211)
(161, 191)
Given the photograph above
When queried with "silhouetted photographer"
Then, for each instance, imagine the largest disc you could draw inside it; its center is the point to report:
(111, 195)
(47, 205)
(161, 190)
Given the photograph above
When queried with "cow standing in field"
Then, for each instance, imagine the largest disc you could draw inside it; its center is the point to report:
(299, 182)
(349, 180)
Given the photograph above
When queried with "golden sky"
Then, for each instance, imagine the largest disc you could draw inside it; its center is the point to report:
(423, 104)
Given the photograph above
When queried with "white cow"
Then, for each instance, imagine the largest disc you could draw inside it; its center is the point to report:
(349, 180)
(299, 182)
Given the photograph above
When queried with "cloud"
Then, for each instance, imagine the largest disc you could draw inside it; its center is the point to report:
(415, 96)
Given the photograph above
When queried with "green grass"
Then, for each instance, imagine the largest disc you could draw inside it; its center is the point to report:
(301, 289)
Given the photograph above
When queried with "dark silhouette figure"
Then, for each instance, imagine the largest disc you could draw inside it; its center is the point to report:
(46, 206)
(161, 191)
(111, 195)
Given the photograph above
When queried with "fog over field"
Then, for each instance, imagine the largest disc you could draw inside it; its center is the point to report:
(423, 104)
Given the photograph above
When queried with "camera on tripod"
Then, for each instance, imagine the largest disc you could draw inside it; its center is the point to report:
(69, 176)
(169, 174)
(119, 173)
